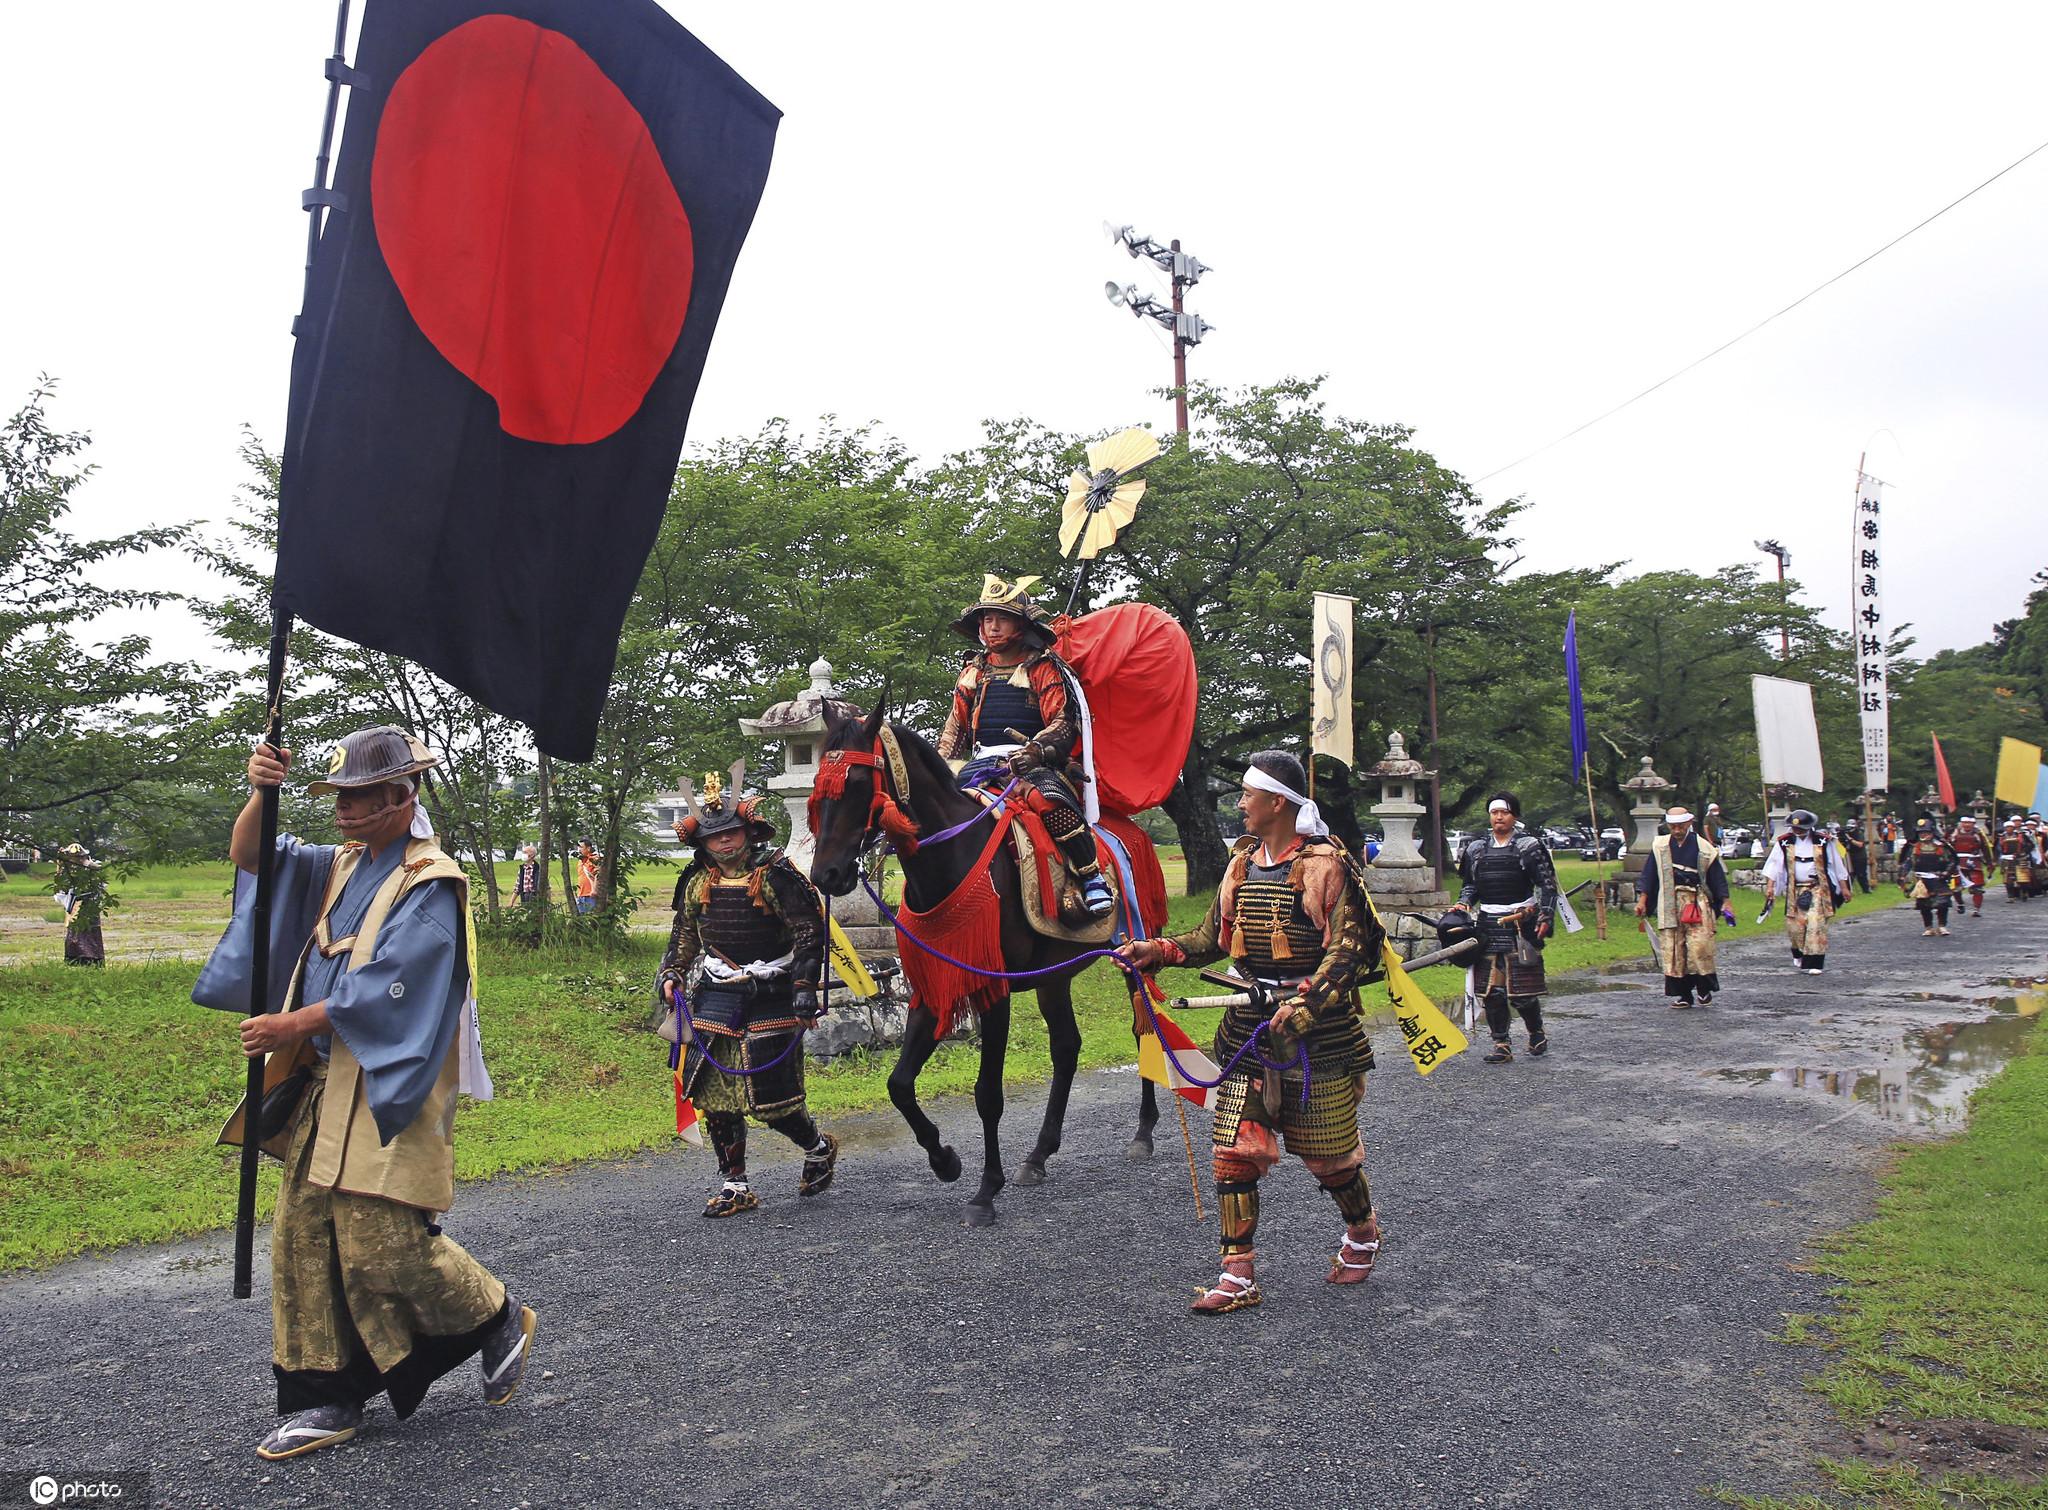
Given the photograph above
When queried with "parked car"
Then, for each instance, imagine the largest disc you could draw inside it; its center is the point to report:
(1612, 842)
(1455, 840)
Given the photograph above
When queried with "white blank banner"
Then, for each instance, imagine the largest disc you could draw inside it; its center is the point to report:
(1787, 738)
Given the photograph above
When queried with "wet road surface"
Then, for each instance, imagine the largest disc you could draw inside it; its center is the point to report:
(1586, 1256)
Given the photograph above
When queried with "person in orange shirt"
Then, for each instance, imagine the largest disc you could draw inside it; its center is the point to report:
(586, 877)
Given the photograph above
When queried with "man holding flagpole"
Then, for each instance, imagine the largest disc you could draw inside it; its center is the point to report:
(376, 1036)
(1293, 915)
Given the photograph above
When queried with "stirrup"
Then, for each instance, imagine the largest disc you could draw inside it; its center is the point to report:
(731, 1201)
(1346, 1270)
(1231, 1292)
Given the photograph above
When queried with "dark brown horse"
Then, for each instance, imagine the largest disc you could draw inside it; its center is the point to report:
(846, 825)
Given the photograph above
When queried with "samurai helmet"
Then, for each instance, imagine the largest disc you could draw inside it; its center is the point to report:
(1012, 598)
(1801, 818)
(723, 807)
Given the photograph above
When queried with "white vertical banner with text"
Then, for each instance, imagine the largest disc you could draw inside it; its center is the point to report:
(1866, 605)
(1330, 671)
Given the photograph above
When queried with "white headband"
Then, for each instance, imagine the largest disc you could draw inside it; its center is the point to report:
(1308, 821)
(1498, 806)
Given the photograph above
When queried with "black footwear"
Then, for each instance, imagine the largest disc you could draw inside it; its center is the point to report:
(1501, 1054)
(1706, 998)
(506, 1350)
(310, 1430)
(1539, 1045)
(818, 1167)
(731, 1200)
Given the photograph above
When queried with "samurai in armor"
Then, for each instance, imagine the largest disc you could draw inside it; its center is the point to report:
(1811, 874)
(1293, 915)
(1684, 885)
(1973, 859)
(1017, 714)
(1510, 896)
(2015, 859)
(1928, 873)
(753, 928)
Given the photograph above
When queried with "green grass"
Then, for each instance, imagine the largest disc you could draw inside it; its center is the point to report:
(1941, 1310)
(113, 1086)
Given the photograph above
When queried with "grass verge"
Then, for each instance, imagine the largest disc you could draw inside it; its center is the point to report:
(1941, 1310)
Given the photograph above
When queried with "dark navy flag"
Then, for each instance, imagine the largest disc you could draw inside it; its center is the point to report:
(541, 202)
(1578, 696)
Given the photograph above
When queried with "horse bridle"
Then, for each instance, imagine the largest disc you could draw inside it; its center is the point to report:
(886, 818)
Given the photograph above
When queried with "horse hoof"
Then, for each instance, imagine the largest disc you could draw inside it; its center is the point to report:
(1139, 1151)
(979, 1216)
(1029, 1173)
(946, 1164)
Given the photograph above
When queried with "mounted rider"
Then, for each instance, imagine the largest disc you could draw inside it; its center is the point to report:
(758, 928)
(1017, 714)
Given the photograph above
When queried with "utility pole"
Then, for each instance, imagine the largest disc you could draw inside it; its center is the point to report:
(1187, 328)
(1784, 558)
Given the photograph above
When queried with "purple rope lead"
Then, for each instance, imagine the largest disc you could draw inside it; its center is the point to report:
(1134, 976)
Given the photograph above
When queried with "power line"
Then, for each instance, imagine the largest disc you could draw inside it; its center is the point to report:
(1735, 340)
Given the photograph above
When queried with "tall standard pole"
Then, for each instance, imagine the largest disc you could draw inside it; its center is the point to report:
(1436, 791)
(313, 201)
(1784, 623)
(1180, 357)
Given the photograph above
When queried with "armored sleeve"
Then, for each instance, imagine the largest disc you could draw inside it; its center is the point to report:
(1202, 944)
(1542, 880)
(796, 900)
(1468, 892)
(956, 740)
(1349, 942)
(1062, 731)
(685, 943)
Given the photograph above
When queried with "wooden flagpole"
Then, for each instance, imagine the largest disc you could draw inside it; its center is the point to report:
(1599, 856)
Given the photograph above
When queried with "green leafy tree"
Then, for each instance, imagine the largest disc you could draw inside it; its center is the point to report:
(84, 723)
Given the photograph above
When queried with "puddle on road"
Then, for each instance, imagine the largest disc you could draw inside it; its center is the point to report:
(1952, 1060)
(1579, 986)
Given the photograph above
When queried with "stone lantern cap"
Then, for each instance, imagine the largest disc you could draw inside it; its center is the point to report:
(1647, 781)
(1397, 763)
(804, 713)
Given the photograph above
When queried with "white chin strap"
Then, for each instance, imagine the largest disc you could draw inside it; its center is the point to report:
(1309, 820)
(422, 826)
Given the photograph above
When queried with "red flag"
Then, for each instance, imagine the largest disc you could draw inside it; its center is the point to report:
(1946, 787)
(687, 1124)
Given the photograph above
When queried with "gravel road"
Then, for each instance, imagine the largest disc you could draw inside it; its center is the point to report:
(1586, 1258)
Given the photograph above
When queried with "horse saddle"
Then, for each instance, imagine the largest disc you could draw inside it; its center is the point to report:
(1051, 894)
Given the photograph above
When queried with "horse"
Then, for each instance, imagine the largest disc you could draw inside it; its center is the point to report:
(846, 824)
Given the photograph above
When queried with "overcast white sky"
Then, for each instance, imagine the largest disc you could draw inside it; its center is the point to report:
(1487, 222)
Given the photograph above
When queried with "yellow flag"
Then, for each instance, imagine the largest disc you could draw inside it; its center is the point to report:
(2019, 768)
(846, 964)
(1430, 1036)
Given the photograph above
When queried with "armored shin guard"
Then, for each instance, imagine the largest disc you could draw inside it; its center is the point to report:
(799, 1129)
(1498, 1017)
(1238, 1201)
(1075, 842)
(1531, 1010)
(1353, 1197)
(729, 1141)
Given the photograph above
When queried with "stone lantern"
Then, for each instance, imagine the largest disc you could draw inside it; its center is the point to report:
(1981, 805)
(798, 726)
(1400, 875)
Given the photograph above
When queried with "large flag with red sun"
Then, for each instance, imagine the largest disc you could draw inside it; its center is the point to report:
(540, 205)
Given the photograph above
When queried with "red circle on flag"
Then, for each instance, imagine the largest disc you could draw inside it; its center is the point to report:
(531, 227)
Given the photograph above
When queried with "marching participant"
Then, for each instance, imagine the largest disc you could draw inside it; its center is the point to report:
(1814, 879)
(1292, 914)
(1973, 859)
(1015, 714)
(759, 929)
(1928, 874)
(1510, 891)
(368, 1296)
(1684, 882)
(2013, 859)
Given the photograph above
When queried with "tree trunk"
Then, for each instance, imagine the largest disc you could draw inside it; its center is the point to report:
(1194, 819)
(489, 861)
(608, 860)
(540, 891)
